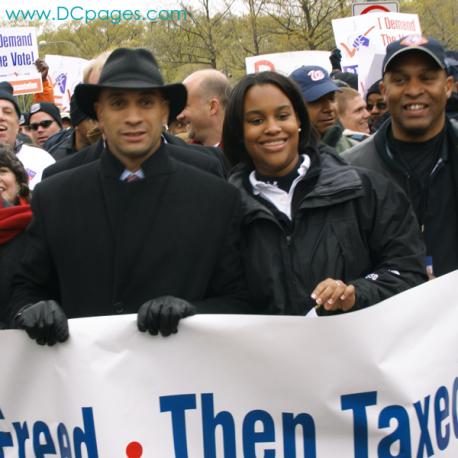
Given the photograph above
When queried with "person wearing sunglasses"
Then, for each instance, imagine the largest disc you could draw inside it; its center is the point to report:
(44, 122)
(376, 106)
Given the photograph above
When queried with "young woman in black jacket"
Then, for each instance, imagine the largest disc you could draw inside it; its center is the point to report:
(317, 232)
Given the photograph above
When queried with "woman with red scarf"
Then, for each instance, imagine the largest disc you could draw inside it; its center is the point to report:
(15, 215)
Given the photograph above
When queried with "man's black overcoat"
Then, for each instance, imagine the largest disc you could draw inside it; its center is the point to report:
(100, 246)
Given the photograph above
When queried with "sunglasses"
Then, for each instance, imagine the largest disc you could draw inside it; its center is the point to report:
(379, 105)
(44, 124)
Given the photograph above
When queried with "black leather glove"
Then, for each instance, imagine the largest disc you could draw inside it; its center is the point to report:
(335, 59)
(163, 314)
(44, 322)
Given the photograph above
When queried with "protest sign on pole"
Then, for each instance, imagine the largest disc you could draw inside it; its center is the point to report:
(65, 73)
(363, 39)
(18, 52)
(380, 382)
(287, 62)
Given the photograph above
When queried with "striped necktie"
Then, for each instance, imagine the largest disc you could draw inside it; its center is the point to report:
(131, 178)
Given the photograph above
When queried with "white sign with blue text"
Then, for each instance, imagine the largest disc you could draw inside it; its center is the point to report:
(378, 383)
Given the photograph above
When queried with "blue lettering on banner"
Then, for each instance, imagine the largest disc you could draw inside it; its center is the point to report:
(444, 407)
(258, 427)
(424, 443)
(44, 443)
(435, 416)
(177, 405)
(358, 403)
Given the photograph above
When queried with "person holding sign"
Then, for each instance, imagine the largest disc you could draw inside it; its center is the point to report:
(47, 95)
(316, 231)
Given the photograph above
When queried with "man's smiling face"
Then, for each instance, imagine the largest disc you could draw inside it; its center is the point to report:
(416, 90)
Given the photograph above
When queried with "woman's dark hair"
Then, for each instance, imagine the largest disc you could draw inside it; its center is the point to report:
(233, 138)
(9, 160)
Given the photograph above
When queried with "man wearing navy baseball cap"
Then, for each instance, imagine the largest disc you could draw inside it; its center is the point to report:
(319, 92)
(418, 147)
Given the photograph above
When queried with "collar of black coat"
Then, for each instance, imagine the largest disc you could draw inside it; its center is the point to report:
(158, 163)
(381, 139)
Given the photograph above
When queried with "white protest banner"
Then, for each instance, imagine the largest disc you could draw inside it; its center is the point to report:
(361, 38)
(381, 382)
(65, 73)
(287, 62)
(18, 52)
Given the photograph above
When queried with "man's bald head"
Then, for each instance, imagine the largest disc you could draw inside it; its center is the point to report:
(210, 83)
(208, 94)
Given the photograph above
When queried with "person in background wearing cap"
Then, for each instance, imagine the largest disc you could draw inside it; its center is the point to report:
(319, 93)
(376, 106)
(135, 231)
(35, 160)
(44, 122)
(66, 120)
(418, 147)
(78, 138)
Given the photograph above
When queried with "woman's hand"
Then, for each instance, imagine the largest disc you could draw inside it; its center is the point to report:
(334, 295)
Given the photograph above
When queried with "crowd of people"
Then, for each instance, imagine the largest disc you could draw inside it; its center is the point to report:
(282, 195)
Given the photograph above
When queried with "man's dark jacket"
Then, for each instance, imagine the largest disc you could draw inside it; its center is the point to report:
(348, 224)
(194, 155)
(440, 221)
(105, 246)
(64, 148)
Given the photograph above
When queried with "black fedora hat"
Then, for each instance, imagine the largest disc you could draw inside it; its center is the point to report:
(130, 69)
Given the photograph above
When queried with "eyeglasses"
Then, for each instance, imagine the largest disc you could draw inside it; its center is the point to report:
(44, 124)
(379, 105)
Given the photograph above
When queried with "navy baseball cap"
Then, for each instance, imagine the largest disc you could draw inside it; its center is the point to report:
(428, 45)
(314, 82)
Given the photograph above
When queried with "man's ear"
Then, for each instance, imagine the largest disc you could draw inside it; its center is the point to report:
(214, 105)
(382, 87)
(165, 112)
(449, 86)
(98, 111)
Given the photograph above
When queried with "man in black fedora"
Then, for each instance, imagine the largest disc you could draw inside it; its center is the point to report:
(135, 231)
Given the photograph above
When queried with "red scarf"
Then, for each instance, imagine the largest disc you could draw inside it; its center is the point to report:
(13, 220)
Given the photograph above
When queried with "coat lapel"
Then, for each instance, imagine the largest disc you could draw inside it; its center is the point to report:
(133, 209)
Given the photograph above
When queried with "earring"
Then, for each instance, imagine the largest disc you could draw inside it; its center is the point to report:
(299, 130)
